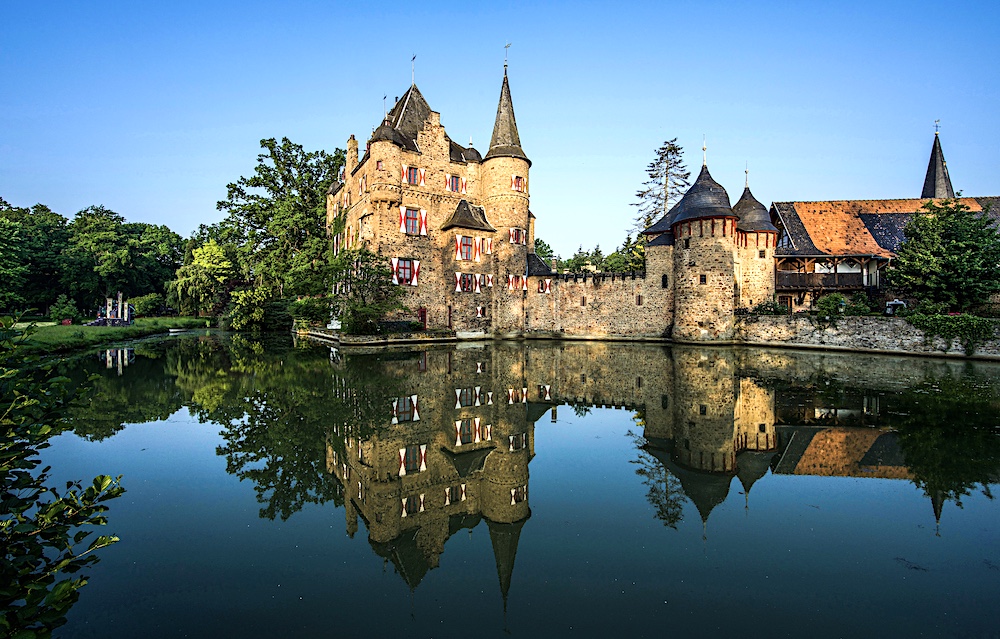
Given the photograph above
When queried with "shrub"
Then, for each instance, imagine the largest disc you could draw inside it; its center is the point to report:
(972, 331)
(147, 304)
(858, 305)
(311, 311)
(770, 307)
(831, 305)
(62, 309)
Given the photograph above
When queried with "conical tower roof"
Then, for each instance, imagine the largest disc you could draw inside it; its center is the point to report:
(504, 538)
(705, 199)
(505, 141)
(753, 215)
(751, 465)
(937, 183)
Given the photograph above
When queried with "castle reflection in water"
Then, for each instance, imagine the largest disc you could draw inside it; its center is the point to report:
(454, 446)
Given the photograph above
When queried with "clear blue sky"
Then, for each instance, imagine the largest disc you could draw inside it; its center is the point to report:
(151, 108)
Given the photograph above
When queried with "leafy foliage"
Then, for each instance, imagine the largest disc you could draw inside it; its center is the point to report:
(146, 305)
(63, 309)
(12, 269)
(201, 285)
(667, 183)
(311, 311)
(950, 257)
(543, 250)
(41, 526)
(972, 331)
(366, 293)
(42, 237)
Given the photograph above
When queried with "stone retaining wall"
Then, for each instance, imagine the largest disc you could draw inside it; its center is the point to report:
(873, 334)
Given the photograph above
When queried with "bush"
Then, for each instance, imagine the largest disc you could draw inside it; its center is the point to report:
(770, 307)
(63, 309)
(858, 305)
(310, 311)
(972, 331)
(147, 304)
(831, 305)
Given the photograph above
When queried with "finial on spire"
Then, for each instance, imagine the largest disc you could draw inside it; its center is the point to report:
(506, 49)
(413, 69)
(470, 141)
(385, 113)
(704, 150)
(747, 172)
(937, 126)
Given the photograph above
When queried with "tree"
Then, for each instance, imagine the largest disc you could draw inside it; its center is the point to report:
(363, 291)
(667, 183)
(543, 250)
(631, 256)
(12, 267)
(276, 218)
(202, 283)
(41, 527)
(42, 241)
(951, 256)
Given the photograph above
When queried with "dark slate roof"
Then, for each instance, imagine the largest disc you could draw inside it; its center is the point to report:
(335, 186)
(992, 204)
(468, 462)
(463, 522)
(664, 239)
(887, 228)
(468, 216)
(751, 465)
(753, 215)
(537, 266)
(937, 183)
(460, 153)
(505, 141)
(406, 556)
(705, 490)
(407, 117)
(505, 538)
(705, 199)
(885, 451)
(386, 132)
(795, 231)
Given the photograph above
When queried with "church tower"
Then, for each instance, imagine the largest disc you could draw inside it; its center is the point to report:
(505, 196)
(937, 183)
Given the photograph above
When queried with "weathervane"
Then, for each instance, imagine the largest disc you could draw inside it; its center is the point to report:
(937, 126)
(385, 113)
(704, 150)
(413, 69)
(506, 48)
(747, 171)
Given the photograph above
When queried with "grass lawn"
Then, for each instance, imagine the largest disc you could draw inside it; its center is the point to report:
(55, 338)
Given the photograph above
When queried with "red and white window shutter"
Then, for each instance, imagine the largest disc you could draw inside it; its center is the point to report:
(478, 435)
(423, 459)
(395, 270)
(402, 219)
(458, 432)
(458, 247)
(476, 279)
(422, 175)
(489, 279)
(477, 247)
(416, 272)
(463, 186)
(416, 410)
(423, 222)
(402, 463)
(403, 174)
(458, 282)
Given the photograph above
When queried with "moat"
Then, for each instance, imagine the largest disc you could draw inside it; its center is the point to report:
(556, 489)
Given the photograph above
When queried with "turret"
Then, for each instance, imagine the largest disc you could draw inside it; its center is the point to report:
(505, 195)
(352, 154)
(704, 230)
(756, 240)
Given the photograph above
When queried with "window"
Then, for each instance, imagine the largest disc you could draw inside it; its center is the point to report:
(413, 175)
(702, 410)
(638, 300)
(519, 494)
(541, 286)
(687, 242)
(454, 183)
(517, 183)
(422, 364)
(412, 222)
(518, 442)
(665, 281)
(412, 505)
(664, 401)
(762, 253)
(404, 271)
(518, 236)
(404, 412)
(378, 164)
(703, 279)
(583, 301)
(762, 428)
(454, 494)
(638, 382)
(467, 282)
(412, 459)
(465, 431)
(465, 248)
(466, 397)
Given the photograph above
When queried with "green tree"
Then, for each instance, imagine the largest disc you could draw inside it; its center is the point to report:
(951, 256)
(364, 292)
(41, 527)
(629, 257)
(667, 183)
(12, 268)
(202, 284)
(276, 219)
(43, 239)
(543, 250)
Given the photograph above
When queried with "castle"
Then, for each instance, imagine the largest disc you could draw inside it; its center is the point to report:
(459, 232)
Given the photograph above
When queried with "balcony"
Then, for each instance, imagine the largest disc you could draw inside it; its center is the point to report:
(810, 281)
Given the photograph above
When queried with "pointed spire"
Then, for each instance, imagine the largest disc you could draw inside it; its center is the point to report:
(937, 183)
(504, 538)
(505, 141)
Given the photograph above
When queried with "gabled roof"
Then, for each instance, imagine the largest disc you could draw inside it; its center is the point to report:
(753, 215)
(505, 141)
(853, 227)
(468, 216)
(937, 184)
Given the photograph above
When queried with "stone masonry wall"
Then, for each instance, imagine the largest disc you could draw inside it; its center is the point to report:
(703, 312)
(880, 334)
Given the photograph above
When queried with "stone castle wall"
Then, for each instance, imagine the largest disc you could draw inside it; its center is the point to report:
(703, 280)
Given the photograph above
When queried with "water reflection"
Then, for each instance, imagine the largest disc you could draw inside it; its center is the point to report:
(421, 445)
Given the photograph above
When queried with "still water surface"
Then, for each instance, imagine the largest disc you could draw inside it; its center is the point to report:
(577, 489)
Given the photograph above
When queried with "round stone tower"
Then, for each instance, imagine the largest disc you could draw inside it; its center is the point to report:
(704, 228)
(505, 197)
(756, 240)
